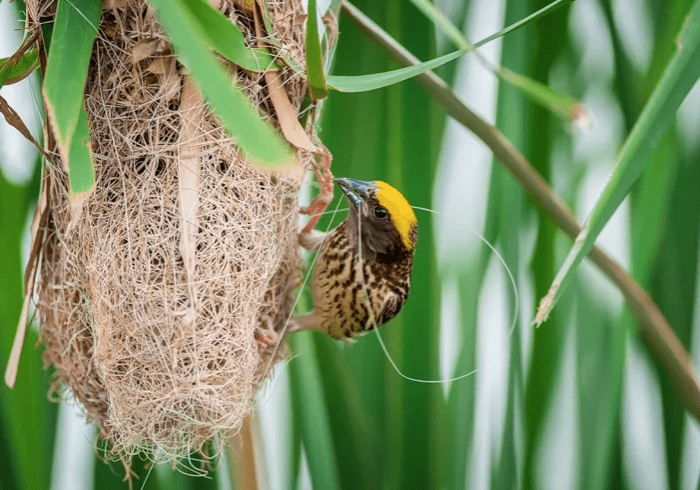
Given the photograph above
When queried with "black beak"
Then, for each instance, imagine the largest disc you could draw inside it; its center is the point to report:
(355, 190)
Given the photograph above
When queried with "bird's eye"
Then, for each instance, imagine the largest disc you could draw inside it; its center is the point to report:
(380, 212)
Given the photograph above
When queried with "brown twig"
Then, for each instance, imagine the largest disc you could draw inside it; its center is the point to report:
(654, 328)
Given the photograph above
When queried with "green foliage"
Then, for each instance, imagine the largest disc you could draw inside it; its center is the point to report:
(679, 77)
(256, 137)
(354, 421)
(74, 32)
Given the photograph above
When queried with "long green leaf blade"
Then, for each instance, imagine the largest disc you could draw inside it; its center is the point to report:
(307, 397)
(314, 58)
(74, 32)
(362, 83)
(257, 138)
(561, 104)
(548, 9)
(27, 417)
(678, 78)
(81, 172)
(227, 39)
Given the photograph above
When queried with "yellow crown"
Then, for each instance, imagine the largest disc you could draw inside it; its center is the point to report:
(400, 211)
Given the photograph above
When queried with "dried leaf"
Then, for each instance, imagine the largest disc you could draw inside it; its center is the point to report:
(286, 113)
(16, 122)
(166, 69)
(114, 4)
(143, 50)
(38, 226)
(189, 161)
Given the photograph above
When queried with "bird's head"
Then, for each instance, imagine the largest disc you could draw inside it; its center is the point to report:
(381, 215)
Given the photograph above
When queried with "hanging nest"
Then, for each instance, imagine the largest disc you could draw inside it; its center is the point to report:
(151, 293)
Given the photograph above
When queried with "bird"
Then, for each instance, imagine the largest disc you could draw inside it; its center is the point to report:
(362, 273)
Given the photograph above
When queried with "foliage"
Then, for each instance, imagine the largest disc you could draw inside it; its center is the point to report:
(563, 406)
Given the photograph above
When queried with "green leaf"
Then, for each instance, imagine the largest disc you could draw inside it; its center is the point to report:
(442, 22)
(308, 399)
(314, 58)
(257, 138)
(27, 417)
(561, 104)
(358, 464)
(227, 39)
(362, 83)
(12, 73)
(548, 9)
(678, 78)
(81, 172)
(71, 46)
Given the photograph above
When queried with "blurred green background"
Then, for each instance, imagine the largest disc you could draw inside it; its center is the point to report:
(578, 403)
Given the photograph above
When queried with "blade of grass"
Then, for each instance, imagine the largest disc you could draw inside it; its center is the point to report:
(257, 138)
(547, 350)
(27, 418)
(361, 83)
(314, 59)
(349, 118)
(656, 332)
(548, 9)
(561, 104)
(227, 39)
(673, 283)
(679, 77)
(75, 28)
(513, 117)
(308, 399)
(416, 411)
(81, 171)
(358, 463)
(461, 401)
(601, 340)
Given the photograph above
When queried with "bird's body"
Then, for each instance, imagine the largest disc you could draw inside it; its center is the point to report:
(362, 273)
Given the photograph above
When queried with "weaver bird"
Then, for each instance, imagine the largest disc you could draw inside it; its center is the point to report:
(363, 270)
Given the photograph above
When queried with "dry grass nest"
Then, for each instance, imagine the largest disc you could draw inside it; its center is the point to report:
(155, 340)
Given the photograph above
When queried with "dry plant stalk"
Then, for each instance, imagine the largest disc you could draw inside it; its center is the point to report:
(149, 305)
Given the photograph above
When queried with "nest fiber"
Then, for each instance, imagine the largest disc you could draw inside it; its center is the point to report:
(151, 293)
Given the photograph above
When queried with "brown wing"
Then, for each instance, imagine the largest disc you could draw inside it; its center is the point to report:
(391, 307)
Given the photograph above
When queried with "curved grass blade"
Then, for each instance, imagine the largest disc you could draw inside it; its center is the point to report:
(227, 39)
(16, 72)
(362, 83)
(547, 9)
(259, 140)
(308, 399)
(679, 77)
(74, 32)
(314, 59)
(561, 104)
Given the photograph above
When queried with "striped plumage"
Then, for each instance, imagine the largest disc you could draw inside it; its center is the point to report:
(352, 294)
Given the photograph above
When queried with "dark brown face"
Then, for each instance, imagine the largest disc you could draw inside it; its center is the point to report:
(370, 224)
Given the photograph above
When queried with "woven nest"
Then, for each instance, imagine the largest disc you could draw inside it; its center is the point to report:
(156, 342)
